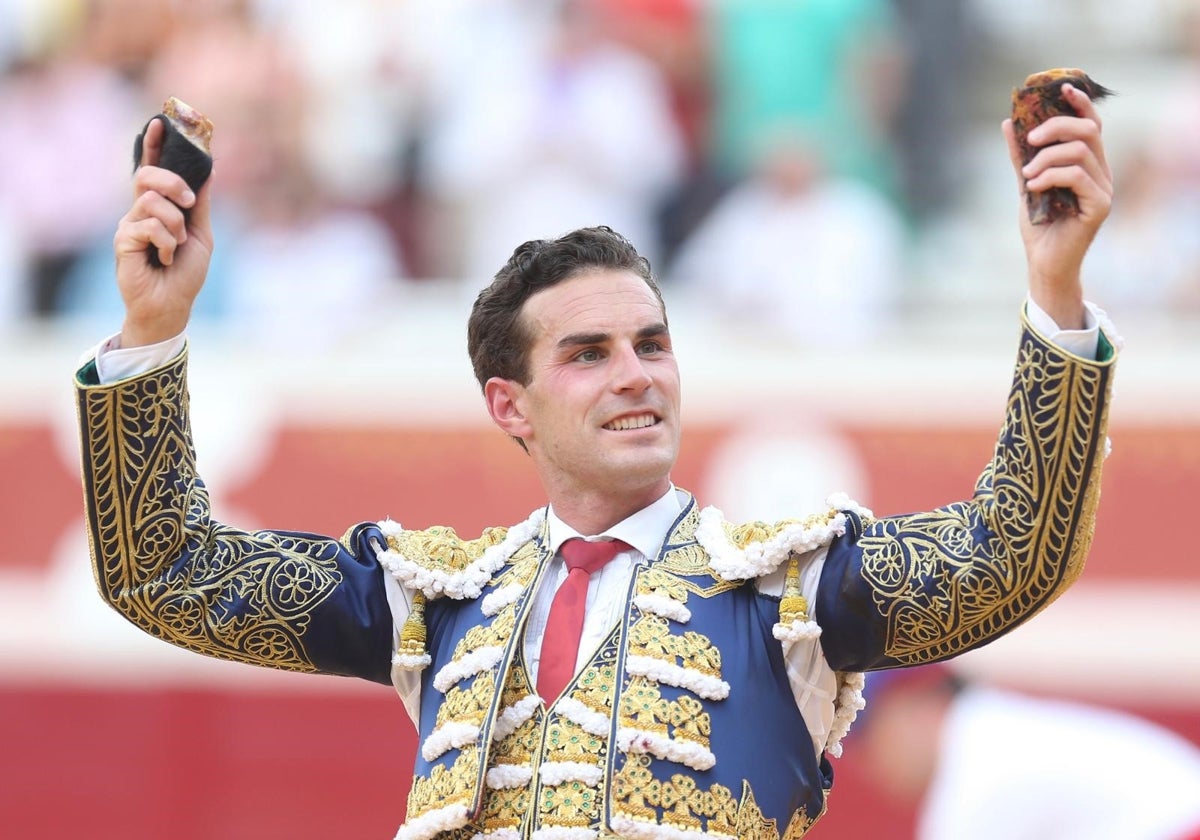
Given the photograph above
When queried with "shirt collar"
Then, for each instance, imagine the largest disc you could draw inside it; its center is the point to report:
(645, 530)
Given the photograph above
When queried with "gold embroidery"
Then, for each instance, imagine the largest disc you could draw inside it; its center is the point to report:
(644, 708)
(453, 785)
(468, 705)
(493, 634)
(639, 795)
(655, 580)
(441, 549)
(801, 822)
(246, 597)
(651, 636)
(949, 580)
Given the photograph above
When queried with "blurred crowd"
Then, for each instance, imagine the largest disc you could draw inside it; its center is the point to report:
(782, 157)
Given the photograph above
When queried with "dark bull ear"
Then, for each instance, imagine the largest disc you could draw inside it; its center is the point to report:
(181, 156)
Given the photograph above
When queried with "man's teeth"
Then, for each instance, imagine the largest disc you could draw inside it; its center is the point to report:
(622, 424)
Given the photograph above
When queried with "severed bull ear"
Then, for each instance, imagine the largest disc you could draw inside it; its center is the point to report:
(187, 135)
(1034, 102)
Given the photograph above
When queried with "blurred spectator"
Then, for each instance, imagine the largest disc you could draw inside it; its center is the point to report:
(1148, 256)
(63, 109)
(281, 243)
(568, 129)
(832, 67)
(816, 256)
(941, 56)
(985, 763)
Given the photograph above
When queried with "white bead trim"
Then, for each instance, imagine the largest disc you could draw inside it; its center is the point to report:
(432, 823)
(557, 772)
(663, 606)
(466, 583)
(455, 671)
(588, 719)
(514, 716)
(694, 755)
(508, 776)
(668, 673)
(451, 735)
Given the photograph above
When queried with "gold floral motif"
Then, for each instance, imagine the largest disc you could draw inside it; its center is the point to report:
(521, 568)
(440, 548)
(468, 705)
(655, 580)
(595, 687)
(247, 597)
(495, 633)
(567, 741)
(949, 580)
(651, 636)
(572, 804)
(453, 785)
(751, 824)
(682, 803)
(801, 822)
(643, 707)
(503, 809)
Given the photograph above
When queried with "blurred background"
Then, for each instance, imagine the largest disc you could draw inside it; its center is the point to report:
(824, 191)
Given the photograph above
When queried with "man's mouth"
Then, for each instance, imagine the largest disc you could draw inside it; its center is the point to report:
(633, 421)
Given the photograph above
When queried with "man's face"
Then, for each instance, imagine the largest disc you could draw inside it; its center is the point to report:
(600, 413)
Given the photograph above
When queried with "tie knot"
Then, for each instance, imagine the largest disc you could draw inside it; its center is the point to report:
(590, 556)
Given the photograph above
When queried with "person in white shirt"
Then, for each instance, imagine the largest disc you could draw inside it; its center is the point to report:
(715, 666)
(989, 763)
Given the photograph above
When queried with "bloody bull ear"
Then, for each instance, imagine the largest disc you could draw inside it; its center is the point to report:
(187, 135)
(1036, 101)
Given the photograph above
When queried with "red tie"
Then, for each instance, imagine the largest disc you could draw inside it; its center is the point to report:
(560, 645)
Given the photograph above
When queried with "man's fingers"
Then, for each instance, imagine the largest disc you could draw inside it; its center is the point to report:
(133, 237)
(165, 182)
(156, 206)
(1082, 103)
(1064, 129)
(152, 142)
(1071, 153)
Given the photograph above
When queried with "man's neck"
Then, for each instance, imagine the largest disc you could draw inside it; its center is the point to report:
(592, 513)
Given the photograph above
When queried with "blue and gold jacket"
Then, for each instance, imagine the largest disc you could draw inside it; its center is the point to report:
(683, 724)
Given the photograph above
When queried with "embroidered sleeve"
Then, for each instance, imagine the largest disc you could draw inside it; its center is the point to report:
(293, 601)
(921, 587)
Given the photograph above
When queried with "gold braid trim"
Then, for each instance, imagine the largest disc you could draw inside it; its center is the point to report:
(246, 597)
(952, 579)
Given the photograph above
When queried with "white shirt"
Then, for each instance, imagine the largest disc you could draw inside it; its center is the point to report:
(1012, 767)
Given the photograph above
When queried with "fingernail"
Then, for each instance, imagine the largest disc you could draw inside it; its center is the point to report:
(188, 196)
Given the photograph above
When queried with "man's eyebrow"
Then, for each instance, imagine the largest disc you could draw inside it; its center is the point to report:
(580, 339)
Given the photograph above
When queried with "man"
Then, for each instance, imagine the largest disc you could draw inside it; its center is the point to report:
(694, 685)
(993, 764)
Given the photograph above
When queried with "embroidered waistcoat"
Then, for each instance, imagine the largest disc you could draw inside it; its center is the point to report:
(682, 721)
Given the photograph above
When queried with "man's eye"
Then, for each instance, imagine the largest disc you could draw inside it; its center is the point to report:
(589, 356)
(650, 347)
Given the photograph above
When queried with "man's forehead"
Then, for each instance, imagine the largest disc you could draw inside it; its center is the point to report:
(604, 296)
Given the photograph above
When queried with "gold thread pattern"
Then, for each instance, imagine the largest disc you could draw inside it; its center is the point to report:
(246, 597)
(950, 580)
(440, 549)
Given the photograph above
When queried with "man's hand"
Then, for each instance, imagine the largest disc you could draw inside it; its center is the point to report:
(158, 301)
(1071, 155)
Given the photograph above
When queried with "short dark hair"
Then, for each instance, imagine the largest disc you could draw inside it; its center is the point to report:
(497, 339)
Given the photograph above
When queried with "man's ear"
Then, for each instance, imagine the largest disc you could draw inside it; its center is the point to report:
(504, 400)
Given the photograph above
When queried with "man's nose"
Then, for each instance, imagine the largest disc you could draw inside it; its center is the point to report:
(630, 373)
